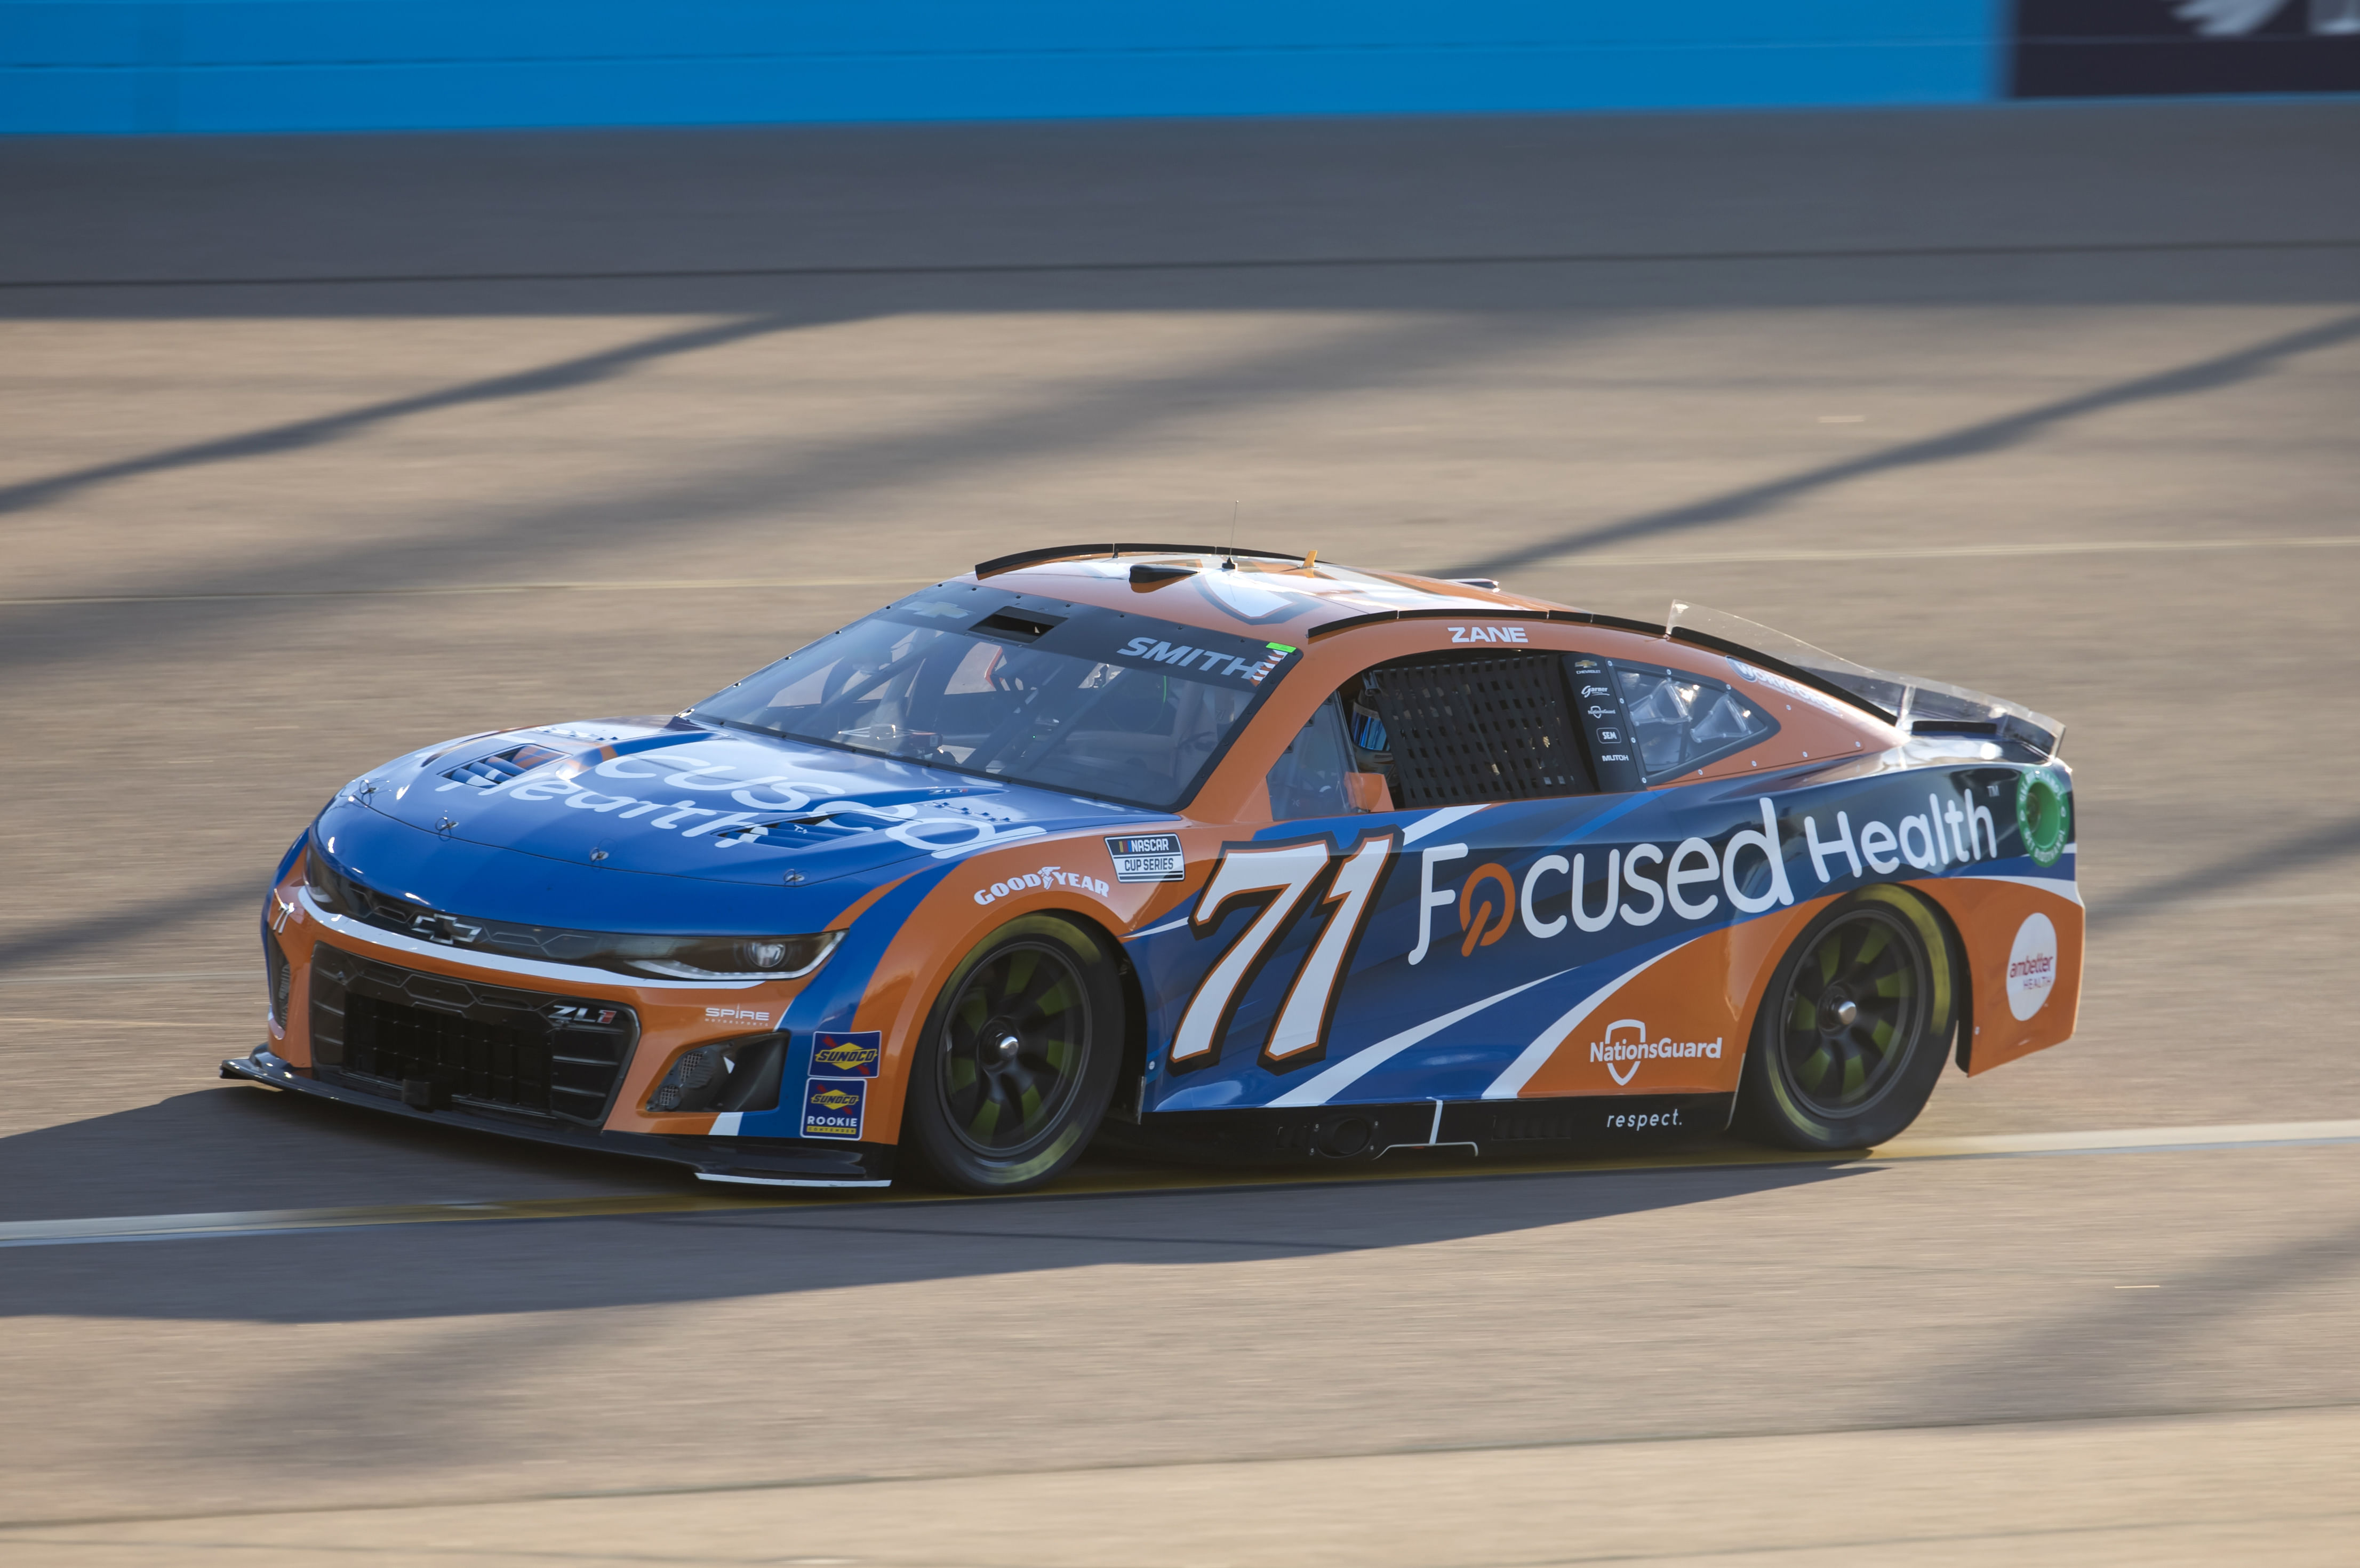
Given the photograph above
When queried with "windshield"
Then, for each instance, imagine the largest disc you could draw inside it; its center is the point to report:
(1029, 690)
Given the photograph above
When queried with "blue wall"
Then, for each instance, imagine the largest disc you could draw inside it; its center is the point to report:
(309, 65)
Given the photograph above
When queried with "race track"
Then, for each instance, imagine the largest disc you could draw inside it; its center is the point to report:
(315, 451)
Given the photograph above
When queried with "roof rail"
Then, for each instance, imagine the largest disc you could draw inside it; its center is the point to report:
(1776, 665)
(1489, 612)
(1083, 551)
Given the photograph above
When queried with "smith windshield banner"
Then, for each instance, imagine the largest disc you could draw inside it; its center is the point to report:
(2108, 48)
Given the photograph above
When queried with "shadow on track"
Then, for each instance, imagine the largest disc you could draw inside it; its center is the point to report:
(239, 1150)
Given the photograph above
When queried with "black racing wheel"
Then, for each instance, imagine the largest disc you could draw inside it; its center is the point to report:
(1018, 1060)
(1855, 1026)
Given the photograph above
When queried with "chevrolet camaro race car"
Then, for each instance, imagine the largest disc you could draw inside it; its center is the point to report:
(1227, 850)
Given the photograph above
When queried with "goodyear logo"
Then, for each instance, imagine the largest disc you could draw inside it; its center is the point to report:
(833, 1106)
(846, 1055)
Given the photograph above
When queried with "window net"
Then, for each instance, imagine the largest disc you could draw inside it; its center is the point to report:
(1467, 730)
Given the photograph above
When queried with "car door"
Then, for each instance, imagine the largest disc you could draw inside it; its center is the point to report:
(1473, 862)
(1385, 891)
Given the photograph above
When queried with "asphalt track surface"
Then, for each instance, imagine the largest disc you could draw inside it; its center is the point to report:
(312, 450)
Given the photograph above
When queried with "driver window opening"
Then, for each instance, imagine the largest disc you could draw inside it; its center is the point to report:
(1457, 729)
(1317, 775)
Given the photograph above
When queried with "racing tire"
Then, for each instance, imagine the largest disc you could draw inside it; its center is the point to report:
(1855, 1026)
(1018, 1060)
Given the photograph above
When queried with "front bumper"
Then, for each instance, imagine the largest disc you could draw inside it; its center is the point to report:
(749, 1161)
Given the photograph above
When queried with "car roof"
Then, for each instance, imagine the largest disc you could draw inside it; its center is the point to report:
(1279, 596)
(1261, 595)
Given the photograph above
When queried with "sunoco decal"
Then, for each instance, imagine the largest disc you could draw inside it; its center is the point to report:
(833, 1106)
(846, 1055)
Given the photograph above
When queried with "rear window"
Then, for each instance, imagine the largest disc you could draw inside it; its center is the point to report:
(1680, 721)
(1034, 690)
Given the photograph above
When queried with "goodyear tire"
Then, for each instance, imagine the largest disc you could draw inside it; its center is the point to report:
(1854, 1027)
(1018, 1060)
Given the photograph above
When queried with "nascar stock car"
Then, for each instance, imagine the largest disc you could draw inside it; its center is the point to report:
(1222, 849)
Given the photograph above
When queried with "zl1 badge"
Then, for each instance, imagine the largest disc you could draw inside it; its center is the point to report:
(1147, 857)
(846, 1055)
(833, 1106)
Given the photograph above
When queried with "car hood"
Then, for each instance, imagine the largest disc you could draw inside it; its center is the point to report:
(675, 799)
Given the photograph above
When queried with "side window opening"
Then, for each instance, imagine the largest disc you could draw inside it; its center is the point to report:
(1315, 777)
(1680, 721)
(1457, 729)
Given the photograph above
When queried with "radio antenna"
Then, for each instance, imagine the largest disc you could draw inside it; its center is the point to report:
(1231, 565)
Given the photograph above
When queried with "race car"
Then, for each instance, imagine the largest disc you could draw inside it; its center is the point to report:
(1218, 850)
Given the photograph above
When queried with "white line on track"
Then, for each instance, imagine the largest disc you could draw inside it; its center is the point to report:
(651, 585)
(1683, 558)
(1951, 552)
(248, 973)
(2000, 1146)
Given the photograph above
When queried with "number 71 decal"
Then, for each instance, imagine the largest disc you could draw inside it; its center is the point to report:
(1286, 872)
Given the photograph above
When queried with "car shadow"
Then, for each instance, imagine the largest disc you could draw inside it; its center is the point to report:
(231, 1150)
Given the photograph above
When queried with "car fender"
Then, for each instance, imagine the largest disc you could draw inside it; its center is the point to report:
(960, 905)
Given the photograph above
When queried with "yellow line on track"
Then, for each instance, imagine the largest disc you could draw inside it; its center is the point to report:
(1093, 1180)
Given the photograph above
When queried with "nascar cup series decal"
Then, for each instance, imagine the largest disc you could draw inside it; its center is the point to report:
(1147, 857)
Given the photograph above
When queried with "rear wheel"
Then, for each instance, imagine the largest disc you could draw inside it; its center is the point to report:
(1855, 1026)
(1018, 1061)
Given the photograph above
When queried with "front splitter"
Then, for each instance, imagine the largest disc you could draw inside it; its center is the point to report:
(739, 1161)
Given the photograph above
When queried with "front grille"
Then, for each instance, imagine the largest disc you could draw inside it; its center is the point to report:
(378, 1027)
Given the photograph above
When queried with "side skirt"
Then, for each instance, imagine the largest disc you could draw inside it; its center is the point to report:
(1602, 1124)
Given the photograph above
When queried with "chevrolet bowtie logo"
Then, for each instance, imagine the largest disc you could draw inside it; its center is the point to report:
(445, 929)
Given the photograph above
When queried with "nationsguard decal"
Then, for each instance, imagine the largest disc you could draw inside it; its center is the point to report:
(1626, 1041)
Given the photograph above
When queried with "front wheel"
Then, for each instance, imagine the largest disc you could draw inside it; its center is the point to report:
(1018, 1060)
(1855, 1026)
